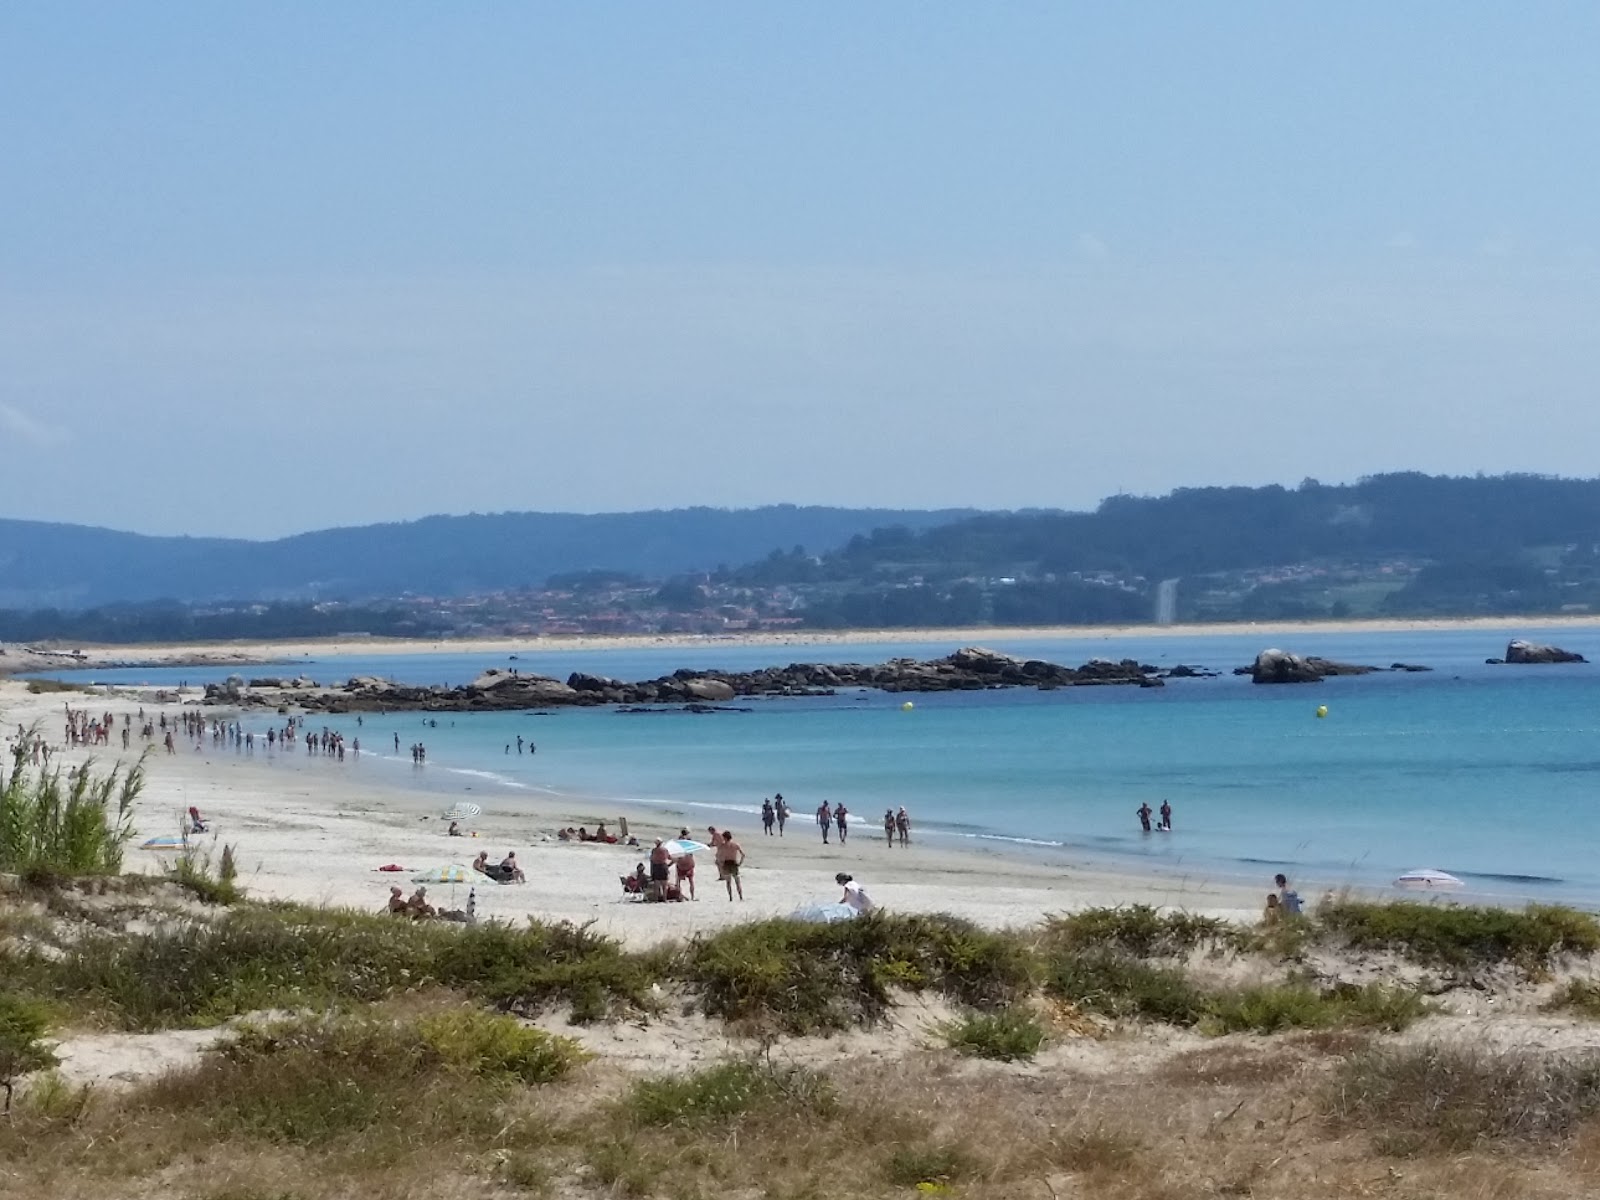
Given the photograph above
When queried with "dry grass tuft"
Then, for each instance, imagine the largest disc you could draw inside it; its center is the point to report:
(1450, 1098)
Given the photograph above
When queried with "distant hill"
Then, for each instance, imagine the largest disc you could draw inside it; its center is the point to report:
(74, 567)
(1503, 544)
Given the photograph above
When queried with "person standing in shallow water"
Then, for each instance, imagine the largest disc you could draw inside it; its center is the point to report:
(1144, 810)
(888, 828)
(1166, 816)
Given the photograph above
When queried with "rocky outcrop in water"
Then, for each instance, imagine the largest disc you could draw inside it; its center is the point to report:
(1520, 651)
(970, 669)
(1279, 666)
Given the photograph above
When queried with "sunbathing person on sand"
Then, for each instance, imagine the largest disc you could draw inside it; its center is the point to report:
(418, 905)
(509, 871)
(481, 863)
(397, 902)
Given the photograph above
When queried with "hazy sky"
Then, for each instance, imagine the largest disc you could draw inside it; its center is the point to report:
(274, 267)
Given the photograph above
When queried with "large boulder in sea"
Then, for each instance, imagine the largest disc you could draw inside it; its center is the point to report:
(1279, 666)
(708, 689)
(1521, 651)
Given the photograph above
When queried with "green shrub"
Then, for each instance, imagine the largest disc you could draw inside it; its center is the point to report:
(1463, 937)
(801, 978)
(1275, 1007)
(22, 1049)
(192, 871)
(1453, 1097)
(1138, 929)
(77, 824)
(1007, 1035)
(726, 1092)
(1115, 986)
(490, 1045)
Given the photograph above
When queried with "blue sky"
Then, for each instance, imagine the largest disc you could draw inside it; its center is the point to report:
(267, 268)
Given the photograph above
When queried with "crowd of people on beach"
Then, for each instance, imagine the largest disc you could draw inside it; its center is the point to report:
(830, 818)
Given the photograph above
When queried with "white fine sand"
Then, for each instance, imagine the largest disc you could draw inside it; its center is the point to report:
(313, 829)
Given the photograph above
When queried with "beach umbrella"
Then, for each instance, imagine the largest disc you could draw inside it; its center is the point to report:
(678, 847)
(823, 914)
(450, 874)
(462, 810)
(166, 841)
(1426, 878)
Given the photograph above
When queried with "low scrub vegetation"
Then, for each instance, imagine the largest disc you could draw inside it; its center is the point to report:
(1450, 1098)
(201, 972)
(794, 977)
(1578, 996)
(727, 1092)
(1113, 985)
(22, 1048)
(1140, 930)
(1282, 1006)
(1463, 937)
(312, 1082)
(1007, 1035)
(1116, 986)
(193, 872)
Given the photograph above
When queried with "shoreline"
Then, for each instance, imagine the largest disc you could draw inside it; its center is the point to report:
(87, 656)
(311, 829)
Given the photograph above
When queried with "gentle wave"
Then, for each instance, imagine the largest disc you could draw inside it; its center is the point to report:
(491, 776)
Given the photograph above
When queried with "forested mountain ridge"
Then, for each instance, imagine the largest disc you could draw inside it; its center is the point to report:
(74, 567)
(1389, 544)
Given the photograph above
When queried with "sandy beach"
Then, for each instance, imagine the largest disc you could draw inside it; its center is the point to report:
(15, 659)
(312, 829)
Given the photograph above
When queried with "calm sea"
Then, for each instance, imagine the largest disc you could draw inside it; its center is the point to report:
(1487, 772)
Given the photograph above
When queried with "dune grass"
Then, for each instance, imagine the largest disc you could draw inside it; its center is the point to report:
(315, 1081)
(254, 957)
(727, 1091)
(63, 825)
(1140, 930)
(797, 978)
(1116, 986)
(1009, 1035)
(1462, 937)
(1450, 1098)
(1580, 997)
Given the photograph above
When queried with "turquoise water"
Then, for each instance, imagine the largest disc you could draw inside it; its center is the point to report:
(1488, 772)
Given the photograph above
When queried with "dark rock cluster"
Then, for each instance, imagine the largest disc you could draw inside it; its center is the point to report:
(966, 670)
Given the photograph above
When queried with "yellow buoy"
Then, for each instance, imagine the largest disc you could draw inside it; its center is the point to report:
(1322, 710)
(907, 706)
